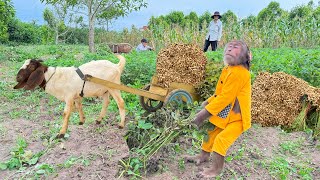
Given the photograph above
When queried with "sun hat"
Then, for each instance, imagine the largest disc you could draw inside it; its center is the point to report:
(144, 40)
(216, 14)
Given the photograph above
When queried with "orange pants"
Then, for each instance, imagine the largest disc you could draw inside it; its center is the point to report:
(220, 140)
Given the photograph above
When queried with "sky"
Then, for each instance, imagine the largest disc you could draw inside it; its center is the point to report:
(31, 10)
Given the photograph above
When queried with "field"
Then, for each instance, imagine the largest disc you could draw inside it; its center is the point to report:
(30, 121)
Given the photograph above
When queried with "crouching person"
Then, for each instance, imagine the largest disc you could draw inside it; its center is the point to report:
(228, 109)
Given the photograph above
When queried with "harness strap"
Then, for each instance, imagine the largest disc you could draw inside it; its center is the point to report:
(81, 75)
(43, 85)
(81, 93)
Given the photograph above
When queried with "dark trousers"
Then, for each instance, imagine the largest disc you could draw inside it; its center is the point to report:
(207, 43)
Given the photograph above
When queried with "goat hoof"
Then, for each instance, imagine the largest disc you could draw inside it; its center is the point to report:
(120, 126)
(60, 136)
(98, 122)
(81, 123)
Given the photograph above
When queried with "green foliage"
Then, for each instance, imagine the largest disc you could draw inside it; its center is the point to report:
(97, 9)
(7, 13)
(20, 157)
(228, 17)
(205, 18)
(20, 32)
(271, 12)
(140, 67)
(291, 146)
(192, 17)
(207, 88)
(175, 17)
(281, 168)
(49, 18)
(302, 63)
(300, 12)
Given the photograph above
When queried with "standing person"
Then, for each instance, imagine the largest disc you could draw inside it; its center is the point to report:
(214, 33)
(143, 46)
(228, 109)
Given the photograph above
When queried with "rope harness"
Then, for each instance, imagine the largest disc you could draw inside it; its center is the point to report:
(44, 85)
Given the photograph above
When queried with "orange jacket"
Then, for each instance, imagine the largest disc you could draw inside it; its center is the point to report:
(234, 82)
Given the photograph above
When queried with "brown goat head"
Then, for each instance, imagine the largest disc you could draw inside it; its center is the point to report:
(31, 74)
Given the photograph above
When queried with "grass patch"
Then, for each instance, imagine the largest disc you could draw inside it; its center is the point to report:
(292, 147)
(20, 157)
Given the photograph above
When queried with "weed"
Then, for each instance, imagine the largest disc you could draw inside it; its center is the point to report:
(305, 172)
(131, 167)
(44, 169)
(74, 160)
(291, 146)
(181, 164)
(20, 157)
(279, 167)
(238, 154)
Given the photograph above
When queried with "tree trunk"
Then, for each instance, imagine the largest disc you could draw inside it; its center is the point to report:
(56, 36)
(92, 19)
(91, 36)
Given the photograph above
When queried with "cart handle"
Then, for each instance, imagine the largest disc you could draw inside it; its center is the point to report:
(125, 88)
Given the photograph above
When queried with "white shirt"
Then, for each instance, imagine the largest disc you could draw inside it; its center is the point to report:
(215, 31)
(140, 47)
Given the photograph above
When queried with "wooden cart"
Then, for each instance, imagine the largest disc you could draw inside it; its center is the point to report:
(152, 96)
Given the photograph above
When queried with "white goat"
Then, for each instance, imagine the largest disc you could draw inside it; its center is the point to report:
(65, 84)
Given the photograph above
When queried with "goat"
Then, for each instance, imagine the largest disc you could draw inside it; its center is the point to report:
(65, 84)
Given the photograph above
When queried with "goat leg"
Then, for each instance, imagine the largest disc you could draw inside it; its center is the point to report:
(120, 102)
(66, 116)
(80, 109)
(105, 104)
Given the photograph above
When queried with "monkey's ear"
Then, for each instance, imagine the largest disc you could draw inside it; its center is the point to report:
(35, 79)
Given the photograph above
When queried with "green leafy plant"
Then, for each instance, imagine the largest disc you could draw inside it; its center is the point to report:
(20, 157)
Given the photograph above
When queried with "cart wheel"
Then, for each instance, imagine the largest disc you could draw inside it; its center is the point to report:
(148, 104)
(179, 99)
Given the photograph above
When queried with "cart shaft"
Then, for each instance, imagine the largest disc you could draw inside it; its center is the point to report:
(121, 87)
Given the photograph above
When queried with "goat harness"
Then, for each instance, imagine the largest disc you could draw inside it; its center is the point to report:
(81, 75)
(44, 86)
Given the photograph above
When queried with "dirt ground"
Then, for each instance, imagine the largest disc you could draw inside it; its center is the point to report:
(93, 151)
(103, 146)
(104, 150)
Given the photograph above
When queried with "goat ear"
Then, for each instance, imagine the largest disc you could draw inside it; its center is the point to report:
(35, 79)
(20, 85)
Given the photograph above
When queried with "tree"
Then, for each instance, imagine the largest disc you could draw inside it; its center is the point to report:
(7, 13)
(205, 18)
(95, 9)
(272, 11)
(229, 16)
(192, 18)
(60, 19)
(316, 13)
(249, 21)
(175, 17)
(107, 17)
(300, 12)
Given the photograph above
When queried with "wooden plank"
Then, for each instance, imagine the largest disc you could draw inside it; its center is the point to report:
(187, 87)
(121, 87)
(158, 90)
(154, 80)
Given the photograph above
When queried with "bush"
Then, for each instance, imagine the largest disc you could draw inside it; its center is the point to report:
(21, 32)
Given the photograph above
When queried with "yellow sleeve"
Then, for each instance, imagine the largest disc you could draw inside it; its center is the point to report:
(228, 94)
(210, 98)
